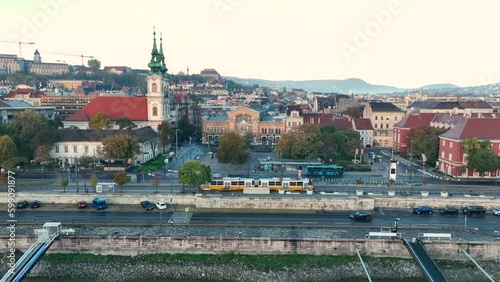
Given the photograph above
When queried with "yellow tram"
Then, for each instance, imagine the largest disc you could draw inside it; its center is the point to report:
(273, 184)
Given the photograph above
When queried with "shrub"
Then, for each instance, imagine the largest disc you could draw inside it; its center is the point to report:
(15, 161)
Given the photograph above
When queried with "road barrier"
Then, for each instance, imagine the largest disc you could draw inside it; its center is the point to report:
(430, 236)
(384, 235)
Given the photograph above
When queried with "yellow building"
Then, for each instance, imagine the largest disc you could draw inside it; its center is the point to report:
(383, 116)
(248, 121)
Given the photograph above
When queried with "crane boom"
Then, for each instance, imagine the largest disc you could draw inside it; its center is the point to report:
(20, 43)
(74, 55)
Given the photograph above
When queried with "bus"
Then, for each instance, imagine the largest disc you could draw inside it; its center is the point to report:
(325, 170)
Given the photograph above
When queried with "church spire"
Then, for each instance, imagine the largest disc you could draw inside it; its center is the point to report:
(155, 63)
(163, 68)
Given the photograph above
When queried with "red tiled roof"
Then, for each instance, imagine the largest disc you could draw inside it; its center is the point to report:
(25, 91)
(415, 119)
(342, 123)
(115, 107)
(363, 124)
(481, 128)
(4, 105)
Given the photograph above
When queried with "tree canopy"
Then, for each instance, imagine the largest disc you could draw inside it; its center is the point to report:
(8, 148)
(194, 173)
(25, 127)
(94, 65)
(125, 123)
(121, 178)
(98, 121)
(425, 139)
(166, 133)
(302, 142)
(233, 148)
(480, 156)
(122, 146)
(42, 155)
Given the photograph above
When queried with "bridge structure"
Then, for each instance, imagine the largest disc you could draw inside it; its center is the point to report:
(46, 236)
(424, 261)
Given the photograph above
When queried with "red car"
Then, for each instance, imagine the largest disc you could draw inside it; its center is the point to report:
(82, 204)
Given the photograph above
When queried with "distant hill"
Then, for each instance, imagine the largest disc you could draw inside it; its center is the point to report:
(355, 85)
(359, 86)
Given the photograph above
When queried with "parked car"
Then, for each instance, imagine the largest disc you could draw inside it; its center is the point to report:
(147, 205)
(474, 210)
(361, 215)
(81, 204)
(496, 211)
(35, 204)
(423, 209)
(22, 204)
(449, 210)
(161, 205)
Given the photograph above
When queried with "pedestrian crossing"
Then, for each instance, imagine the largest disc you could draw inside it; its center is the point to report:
(180, 217)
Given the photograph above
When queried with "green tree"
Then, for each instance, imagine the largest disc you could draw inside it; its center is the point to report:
(302, 142)
(194, 173)
(166, 134)
(64, 182)
(122, 146)
(26, 126)
(94, 65)
(8, 148)
(93, 181)
(13, 162)
(98, 121)
(233, 149)
(186, 129)
(125, 123)
(86, 161)
(121, 178)
(425, 139)
(42, 155)
(481, 159)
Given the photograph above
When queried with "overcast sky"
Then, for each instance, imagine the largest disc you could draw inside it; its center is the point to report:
(400, 43)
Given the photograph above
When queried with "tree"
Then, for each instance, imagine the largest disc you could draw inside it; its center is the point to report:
(121, 178)
(481, 159)
(302, 142)
(155, 182)
(27, 125)
(98, 121)
(122, 146)
(425, 139)
(194, 173)
(94, 65)
(165, 133)
(185, 129)
(93, 181)
(8, 148)
(233, 149)
(354, 112)
(42, 155)
(64, 182)
(86, 161)
(125, 123)
(15, 161)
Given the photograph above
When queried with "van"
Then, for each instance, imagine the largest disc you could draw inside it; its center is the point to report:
(99, 203)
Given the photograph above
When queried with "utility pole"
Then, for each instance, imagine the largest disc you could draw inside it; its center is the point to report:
(176, 145)
(76, 173)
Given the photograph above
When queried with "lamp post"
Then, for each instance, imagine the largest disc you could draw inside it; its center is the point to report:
(76, 173)
(176, 145)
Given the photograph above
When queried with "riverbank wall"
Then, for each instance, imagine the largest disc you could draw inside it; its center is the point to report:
(286, 202)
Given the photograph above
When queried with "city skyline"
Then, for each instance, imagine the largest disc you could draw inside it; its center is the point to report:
(399, 43)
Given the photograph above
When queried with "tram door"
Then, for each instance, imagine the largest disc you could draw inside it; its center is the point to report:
(227, 185)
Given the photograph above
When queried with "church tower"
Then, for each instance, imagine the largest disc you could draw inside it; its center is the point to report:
(36, 57)
(157, 92)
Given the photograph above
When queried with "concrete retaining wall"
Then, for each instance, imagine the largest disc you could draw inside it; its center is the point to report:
(132, 245)
(248, 202)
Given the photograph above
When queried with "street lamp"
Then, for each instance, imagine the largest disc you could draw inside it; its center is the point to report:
(176, 145)
(76, 173)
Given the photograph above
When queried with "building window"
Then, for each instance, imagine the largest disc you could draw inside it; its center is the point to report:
(381, 117)
(154, 87)
(376, 117)
(444, 143)
(442, 154)
(386, 125)
(155, 111)
(66, 149)
(449, 156)
(86, 149)
(451, 144)
(375, 125)
(57, 148)
(75, 149)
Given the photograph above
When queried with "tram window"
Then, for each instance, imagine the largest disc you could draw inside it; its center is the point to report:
(293, 183)
(213, 182)
(234, 183)
(272, 183)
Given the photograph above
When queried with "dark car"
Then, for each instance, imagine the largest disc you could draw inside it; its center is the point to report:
(449, 210)
(474, 210)
(147, 205)
(22, 204)
(81, 204)
(361, 215)
(423, 209)
(35, 204)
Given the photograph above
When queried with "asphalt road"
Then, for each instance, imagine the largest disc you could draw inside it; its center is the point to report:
(382, 218)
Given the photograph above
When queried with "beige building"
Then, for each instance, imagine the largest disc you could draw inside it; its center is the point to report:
(383, 116)
(256, 122)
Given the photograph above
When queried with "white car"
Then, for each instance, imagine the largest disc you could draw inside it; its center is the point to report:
(496, 211)
(161, 205)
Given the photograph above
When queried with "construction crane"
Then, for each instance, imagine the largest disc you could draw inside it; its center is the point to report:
(82, 56)
(20, 43)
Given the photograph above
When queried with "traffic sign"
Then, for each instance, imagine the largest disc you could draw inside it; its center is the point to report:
(300, 167)
(186, 209)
